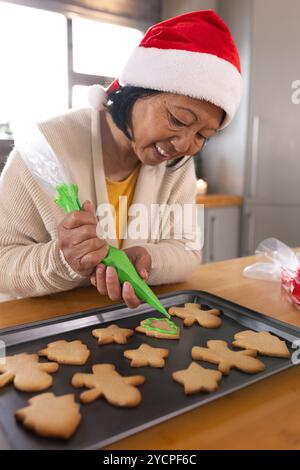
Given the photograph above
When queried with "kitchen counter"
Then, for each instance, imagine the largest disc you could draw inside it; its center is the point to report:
(219, 200)
(265, 415)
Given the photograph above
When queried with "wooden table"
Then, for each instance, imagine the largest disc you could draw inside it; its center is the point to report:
(265, 415)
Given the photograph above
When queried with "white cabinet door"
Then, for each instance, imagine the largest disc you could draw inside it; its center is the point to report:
(221, 234)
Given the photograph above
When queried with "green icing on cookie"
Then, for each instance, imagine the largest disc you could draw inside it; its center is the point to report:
(147, 324)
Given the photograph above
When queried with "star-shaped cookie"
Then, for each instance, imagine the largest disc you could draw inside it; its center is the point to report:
(112, 334)
(217, 352)
(192, 313)
(145, 356)
(67, 352)
(197, 379)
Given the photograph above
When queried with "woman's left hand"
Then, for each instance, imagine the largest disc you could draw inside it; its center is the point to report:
(105, 278)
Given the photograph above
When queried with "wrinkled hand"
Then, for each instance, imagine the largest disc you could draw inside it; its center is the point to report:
(78, 240)
(105, 279)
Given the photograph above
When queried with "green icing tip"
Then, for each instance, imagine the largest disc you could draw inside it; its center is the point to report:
(127, 272)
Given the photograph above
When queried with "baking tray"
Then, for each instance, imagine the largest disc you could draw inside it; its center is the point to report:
(162, 398)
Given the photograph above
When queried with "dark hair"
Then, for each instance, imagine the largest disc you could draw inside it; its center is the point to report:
(120, 104)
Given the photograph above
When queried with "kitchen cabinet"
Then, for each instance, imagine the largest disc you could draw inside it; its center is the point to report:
(221, 234)
(222, 214)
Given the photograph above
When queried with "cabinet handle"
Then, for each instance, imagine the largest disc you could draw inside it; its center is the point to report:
(246, 232)
(212, 238)
(250, 233)
(254, 157)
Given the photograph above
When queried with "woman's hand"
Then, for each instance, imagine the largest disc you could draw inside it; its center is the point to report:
(107, 282)
(78, 240)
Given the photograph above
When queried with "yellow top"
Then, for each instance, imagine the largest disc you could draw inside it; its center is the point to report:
(124, 188)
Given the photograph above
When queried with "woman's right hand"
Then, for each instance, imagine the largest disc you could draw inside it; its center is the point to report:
(78, 240)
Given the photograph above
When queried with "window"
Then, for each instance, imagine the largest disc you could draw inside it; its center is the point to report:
(47, 61)
(102, 48)
(33, 63)
(100, 51)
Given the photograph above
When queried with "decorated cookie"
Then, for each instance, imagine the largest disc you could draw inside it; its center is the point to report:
(106, 382)
(51, 416)
(217, 352)
(112, 334)
(192, 313)
(198, 379)
(27, 373)
(160, 328)
(263, 342)
(147, 356)
(66, 352)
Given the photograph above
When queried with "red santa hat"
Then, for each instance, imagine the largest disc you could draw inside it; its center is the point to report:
(192, 54)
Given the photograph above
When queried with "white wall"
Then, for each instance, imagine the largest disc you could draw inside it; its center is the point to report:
(178, 7)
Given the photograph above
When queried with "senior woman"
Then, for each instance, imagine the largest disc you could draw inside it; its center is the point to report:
(179, 87)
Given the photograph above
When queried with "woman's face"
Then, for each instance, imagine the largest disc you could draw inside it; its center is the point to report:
(167, 126)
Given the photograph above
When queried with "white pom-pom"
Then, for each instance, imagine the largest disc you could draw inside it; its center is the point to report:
(97, 97)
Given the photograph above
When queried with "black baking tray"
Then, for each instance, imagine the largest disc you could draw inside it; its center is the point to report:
(162, 398)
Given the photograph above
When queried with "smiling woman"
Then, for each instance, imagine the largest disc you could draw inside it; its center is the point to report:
(179, 87)
(173, 113)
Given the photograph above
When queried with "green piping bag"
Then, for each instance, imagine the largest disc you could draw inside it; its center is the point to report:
(127, 272)
(68, 199)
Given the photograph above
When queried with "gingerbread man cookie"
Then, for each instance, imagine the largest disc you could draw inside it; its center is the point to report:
(263, 342)
(112, 334)
(160, 328)
(106, 382)
(67, 352)
(145, 356)
(197, 379)
(192, 313)
(217, 352)
(51, 416)
(27, 373)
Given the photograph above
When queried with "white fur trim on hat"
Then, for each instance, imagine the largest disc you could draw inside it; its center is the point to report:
(198, 75)
(97, 96)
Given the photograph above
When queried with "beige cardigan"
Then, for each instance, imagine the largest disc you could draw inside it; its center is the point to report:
(31, 264)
